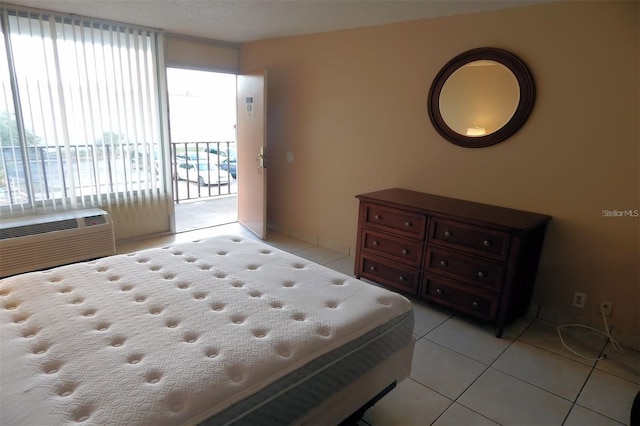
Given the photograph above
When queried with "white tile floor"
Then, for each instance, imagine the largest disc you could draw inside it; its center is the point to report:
(463, 375)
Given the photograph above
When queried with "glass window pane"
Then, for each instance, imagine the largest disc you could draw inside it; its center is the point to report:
(88, 103)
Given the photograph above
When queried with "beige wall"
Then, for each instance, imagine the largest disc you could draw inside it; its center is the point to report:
(195, 53)
(348, 114)
(142, 218)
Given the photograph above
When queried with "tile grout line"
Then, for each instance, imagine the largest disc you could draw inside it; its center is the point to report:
(591, 371)
(490, 365)
(516, 338)
(487, 366)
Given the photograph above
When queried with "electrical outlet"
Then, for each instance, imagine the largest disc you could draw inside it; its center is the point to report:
(606, 307)
(579, 299)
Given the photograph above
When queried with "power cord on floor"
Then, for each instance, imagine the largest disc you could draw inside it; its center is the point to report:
(606, 333)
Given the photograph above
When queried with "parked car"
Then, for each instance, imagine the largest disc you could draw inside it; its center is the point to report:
(229, 164)
(203, 173)
(220, 149)
(137, 160)
(189, 156)
(178, 159)
(225, 158)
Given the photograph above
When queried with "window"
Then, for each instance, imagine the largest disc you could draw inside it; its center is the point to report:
(80, 117)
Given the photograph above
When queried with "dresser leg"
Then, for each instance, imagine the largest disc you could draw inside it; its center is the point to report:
(499, 332)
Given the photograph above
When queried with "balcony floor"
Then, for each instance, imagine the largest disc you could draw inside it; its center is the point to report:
(203, 213)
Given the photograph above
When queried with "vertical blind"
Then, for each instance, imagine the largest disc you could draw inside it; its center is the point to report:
(80, 114)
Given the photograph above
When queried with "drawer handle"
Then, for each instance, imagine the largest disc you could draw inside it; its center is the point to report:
(405, 251)
(401, 278)
(377, 217)
(407, 224)
(375, 243)
(447, 233)
(373, 269)
(486, 243)
(438, 291)
(480, 274)
(443, 263)
(475, 304)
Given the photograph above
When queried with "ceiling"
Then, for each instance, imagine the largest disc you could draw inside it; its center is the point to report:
(250, 20)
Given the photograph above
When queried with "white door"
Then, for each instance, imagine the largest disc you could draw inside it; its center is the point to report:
(252, 145)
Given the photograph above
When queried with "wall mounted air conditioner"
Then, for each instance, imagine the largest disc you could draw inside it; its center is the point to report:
(43, 241)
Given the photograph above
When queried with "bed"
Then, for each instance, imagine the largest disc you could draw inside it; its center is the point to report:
(224, 330)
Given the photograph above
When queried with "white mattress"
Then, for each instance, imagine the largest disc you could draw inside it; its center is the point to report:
(172, 335)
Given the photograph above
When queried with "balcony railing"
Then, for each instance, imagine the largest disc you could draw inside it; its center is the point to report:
(198, 169)
(203, 169)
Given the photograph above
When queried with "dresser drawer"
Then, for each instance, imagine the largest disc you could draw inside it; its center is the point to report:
(469, 238)
(400, 222)
(400, 249)
(461, 297)
(473, 270)
(389, 273)
(472, 258)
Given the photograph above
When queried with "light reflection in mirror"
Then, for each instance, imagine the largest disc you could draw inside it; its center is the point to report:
(479, 98)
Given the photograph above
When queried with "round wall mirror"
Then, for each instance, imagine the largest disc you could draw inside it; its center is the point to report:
(481, 97)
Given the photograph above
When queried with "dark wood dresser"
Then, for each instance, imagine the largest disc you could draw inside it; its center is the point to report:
(476, 259)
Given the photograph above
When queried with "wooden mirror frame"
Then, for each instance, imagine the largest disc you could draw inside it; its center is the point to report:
(525, 103)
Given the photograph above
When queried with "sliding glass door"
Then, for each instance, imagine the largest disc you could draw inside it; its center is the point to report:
(81, 113)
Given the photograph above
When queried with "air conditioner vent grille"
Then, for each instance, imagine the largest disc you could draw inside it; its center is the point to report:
(95, 220)
(44, 241)
(37, 228)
